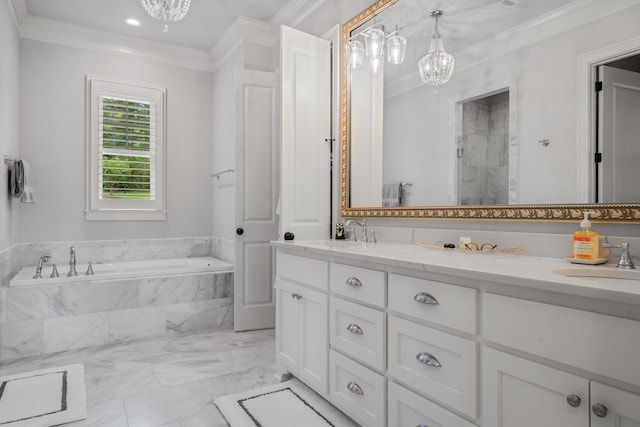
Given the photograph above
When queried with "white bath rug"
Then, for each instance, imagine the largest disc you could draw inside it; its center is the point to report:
(288, 404)
(43, 398)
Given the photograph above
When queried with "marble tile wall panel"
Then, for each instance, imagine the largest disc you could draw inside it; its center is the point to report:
(223, 249)
(73, 332)
(222, 286)
(136, 324)
(175, 289)
(197, 316)
(70, 299)
(21, 339)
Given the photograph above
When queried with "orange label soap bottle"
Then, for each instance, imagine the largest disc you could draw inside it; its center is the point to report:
(586, 242)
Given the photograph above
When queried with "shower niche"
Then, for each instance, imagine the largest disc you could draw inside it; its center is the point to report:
(483, 166)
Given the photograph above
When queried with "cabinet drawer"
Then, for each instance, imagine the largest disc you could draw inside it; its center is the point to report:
(594, 342)
(408, 409)
(358, 331)
(444, 304)
(357, 390)
(415, 351)
(310, 272)
(358, 283)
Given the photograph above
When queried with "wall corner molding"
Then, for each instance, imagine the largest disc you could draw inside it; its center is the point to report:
(18, 11)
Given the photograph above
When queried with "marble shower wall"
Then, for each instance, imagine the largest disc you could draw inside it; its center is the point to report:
(51, 318)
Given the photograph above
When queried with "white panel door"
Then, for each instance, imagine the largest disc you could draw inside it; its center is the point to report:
(520, 393)
(620, 135)
(622, 408)
(306, 124)
(256, 198)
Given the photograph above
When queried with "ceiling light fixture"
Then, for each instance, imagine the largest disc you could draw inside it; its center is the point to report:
(167, 10)
(437, 65)
(133, 22)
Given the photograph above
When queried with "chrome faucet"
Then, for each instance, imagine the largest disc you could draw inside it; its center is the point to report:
(44, 258)
(625, 262)
(72, 262)
(363, 224)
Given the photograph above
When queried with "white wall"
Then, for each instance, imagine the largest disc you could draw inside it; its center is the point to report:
(9, 72)
(224, 139)
(52, 130)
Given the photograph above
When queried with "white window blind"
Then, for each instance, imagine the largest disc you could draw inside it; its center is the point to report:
(125, 153)
(127, 149)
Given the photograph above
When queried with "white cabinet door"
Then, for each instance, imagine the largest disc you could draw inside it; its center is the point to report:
(287, 326)
(521, 393)
(306, 125)
(314, 331)
(622, 408)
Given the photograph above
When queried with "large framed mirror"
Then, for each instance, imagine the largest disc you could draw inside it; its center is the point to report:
(517, 133)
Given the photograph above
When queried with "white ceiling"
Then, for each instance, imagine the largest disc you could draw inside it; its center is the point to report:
(205, 23)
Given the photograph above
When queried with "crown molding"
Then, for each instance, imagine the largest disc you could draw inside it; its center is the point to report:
(295, 12)
(51, 31)
(243, 30)
(18, 9)
(563, 19)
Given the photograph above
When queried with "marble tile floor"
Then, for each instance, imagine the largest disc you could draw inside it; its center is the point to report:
(169, 381)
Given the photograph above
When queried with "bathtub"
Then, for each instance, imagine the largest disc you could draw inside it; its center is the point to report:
(123, 269)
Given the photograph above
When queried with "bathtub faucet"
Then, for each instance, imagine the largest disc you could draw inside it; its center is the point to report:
(72, 262)
(44, 258)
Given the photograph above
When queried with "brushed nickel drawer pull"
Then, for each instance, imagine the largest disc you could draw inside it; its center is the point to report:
(355, 329)
(428, 359)
(425, 298)
(574, 401)
(599, 410)
(354, 281)
(355, 388)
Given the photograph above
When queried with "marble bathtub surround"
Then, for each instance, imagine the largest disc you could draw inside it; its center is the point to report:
(52, 318)
(21, 255)
(168, 381)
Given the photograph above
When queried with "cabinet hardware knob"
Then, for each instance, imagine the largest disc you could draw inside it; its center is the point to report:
(355, 388)
(428, 359)
(298, 297)
(425, 298)
(294, 295)
(599, 410)
(354, 281)
(353, 328)
(574, 401)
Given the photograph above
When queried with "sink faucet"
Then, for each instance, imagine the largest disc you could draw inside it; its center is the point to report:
(625, 262)
(44, 258)
(363, 224)
(72, 262)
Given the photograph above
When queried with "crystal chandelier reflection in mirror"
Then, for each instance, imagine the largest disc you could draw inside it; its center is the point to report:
(167, 10)
(437, 65)
(373, 47)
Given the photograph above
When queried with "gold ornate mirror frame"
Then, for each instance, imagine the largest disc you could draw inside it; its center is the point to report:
(621, 213)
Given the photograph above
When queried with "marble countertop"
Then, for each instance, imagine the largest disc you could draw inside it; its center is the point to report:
(497, 267)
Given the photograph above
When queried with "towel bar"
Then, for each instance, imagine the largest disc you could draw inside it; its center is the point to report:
(217, 174)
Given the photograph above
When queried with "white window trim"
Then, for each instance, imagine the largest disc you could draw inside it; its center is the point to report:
(96, 86)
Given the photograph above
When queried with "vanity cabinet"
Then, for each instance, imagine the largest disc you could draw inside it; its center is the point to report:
(392, 343)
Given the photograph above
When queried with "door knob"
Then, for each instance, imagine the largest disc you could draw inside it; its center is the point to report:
(239, 231)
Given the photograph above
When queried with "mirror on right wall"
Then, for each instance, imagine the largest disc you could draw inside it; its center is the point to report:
(520, 131)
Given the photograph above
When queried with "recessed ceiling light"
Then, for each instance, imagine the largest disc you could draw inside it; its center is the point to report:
(133, 22)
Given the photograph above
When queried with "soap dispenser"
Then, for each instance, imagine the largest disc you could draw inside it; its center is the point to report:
(586, 242)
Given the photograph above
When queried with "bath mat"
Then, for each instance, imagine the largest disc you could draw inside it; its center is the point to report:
(43, 398)
(287, 404)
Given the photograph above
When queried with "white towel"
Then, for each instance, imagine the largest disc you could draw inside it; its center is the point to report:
(391, 195)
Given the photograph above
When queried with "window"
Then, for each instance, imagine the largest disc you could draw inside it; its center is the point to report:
(125, 153)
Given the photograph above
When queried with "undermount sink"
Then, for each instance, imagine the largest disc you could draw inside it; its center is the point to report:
(599, 272)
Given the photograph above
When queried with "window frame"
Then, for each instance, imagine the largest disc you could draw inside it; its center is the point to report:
(117, 209)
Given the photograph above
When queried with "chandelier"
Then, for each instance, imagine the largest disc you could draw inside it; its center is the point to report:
(437, 65)
(167, 10)
(374, 44)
